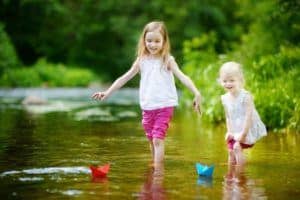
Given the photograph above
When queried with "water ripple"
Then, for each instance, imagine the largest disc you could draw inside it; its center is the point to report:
(49, 170)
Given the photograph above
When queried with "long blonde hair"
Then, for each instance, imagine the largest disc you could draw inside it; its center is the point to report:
(153, 26)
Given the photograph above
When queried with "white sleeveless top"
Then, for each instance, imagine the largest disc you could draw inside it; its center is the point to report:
(236, 116)
(157, 85)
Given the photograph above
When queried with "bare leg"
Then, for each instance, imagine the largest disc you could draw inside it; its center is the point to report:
(159, 151)
(239, 156)
(159, 169)
(152, 151)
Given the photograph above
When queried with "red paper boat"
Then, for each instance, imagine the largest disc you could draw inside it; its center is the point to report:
(100, 171)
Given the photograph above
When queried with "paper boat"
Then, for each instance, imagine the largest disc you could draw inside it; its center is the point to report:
(100, 171)
(204, 170)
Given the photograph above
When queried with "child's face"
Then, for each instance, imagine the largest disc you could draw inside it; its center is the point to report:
(154, 42)
(230, 82)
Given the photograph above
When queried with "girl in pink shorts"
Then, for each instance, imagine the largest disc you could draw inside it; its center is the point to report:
(156, 122)
(158, 94)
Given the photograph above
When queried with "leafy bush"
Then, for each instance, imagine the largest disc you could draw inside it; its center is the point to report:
(8, 56)
(202, 66)
(24, 77)
(47, 74)
(273, 79)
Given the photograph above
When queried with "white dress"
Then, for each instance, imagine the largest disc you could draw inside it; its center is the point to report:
(157, 85)
(236, 111)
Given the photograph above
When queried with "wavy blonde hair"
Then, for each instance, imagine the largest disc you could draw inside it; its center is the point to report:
(155, 26)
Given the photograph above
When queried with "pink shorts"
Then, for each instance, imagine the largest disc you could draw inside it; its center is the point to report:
(231, 142)
(156, 122)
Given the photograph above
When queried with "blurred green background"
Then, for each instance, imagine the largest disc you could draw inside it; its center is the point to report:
(70, 43)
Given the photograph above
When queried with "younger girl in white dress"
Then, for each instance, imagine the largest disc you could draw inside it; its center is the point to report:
(244, 126)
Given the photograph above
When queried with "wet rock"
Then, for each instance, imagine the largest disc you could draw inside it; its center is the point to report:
(95, 114)
(34, 100)
(127, 114)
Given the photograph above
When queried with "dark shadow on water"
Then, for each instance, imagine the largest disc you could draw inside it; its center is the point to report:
(152, 188)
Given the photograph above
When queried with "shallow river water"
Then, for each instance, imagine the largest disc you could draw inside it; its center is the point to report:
(46, 151)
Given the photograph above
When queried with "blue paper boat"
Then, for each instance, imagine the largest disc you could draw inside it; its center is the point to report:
(204, 170)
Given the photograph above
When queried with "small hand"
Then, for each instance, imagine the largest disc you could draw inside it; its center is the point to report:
(197, 104)
(228, 136)
(99, 95)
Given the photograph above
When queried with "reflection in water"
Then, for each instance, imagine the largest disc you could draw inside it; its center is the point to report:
(237, 185)
(152, 188)
(205, 181)
(49, 170)
(99, 180)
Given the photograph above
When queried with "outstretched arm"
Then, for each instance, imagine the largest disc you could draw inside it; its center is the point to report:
(118, 83)
(188, 83)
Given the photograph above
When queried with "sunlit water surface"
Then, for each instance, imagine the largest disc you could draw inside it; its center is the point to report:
(46, 151)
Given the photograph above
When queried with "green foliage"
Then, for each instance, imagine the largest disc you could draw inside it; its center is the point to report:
(47, 74)
(8, 57)
(271, 25)
(273, 79)
(104, 34)
(201, 62)
(22, 77)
